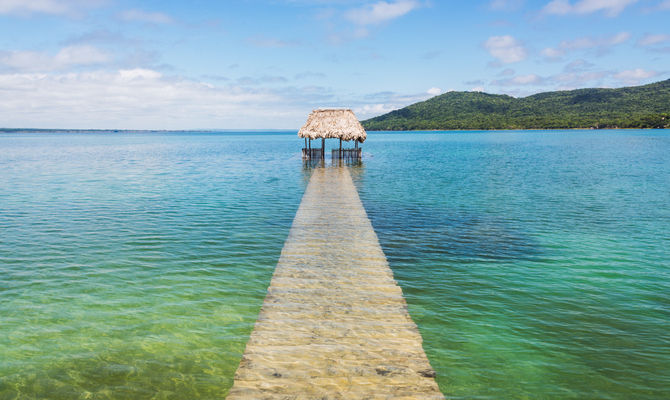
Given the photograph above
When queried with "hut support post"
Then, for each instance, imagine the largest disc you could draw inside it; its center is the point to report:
(323, 148)
(340, 148)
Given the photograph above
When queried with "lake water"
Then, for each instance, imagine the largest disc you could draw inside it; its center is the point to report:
(536, 264)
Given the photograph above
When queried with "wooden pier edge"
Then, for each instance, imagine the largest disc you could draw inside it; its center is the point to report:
(334, 324)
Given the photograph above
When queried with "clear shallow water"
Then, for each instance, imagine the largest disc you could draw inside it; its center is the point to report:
(536, 264)
(134, 266)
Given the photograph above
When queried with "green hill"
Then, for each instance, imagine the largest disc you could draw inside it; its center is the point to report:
(646, 106)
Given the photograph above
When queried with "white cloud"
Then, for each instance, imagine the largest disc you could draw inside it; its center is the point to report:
(553, 53)
(505, 5)
(506, 49)
(618, 38)
(380, 12)
(634, 76)
(573, 80)
(35, 6)
(309, 75)
(137, 99)
(67, 57)
(589, 42)
(650, 40)
(80, 55)
(664, 5)
(611, 8)
(54, 7)
(136, 15)
(578, 65)
(362, 18)
(558, 7)
(601, 45)
(434, 91)
(526, 79)
(382, 102)
(576, 74)
(371, 110)
(477, 89)
(521, 80)
(138, 74)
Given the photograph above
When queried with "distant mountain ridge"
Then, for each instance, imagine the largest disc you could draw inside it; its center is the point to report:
(646, 106)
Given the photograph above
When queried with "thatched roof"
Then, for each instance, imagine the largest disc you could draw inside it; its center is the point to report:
(333, 123)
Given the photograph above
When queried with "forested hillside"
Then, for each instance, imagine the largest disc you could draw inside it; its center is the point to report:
(646, 106)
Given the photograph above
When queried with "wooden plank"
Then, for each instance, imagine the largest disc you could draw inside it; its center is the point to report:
(334, 324)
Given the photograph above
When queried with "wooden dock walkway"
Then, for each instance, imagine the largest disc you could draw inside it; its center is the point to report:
(334, 324)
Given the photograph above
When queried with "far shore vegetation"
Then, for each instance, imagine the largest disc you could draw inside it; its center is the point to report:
(646, 106)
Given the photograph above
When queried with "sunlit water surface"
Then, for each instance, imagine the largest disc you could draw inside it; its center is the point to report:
(536, 264)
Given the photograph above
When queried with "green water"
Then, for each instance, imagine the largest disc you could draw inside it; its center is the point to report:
(133, 266)
(536, 264)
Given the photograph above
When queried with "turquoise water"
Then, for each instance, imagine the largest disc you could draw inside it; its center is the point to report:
(133, 266)
(536, 264)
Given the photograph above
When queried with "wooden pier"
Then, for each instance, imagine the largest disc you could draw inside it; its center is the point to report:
(334, 324)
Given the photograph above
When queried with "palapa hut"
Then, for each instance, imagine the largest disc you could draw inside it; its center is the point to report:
(325, 124)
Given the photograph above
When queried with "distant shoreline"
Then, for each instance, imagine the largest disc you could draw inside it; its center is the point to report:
(261, 131)
(634, 107)
(516, 129)
(45, 130)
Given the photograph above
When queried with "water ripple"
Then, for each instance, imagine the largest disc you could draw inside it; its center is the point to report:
(535, 264)
(134, 266)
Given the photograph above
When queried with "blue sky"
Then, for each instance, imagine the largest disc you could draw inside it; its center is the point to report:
(265, 64)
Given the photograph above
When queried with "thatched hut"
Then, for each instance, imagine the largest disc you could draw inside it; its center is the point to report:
(325, 124)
